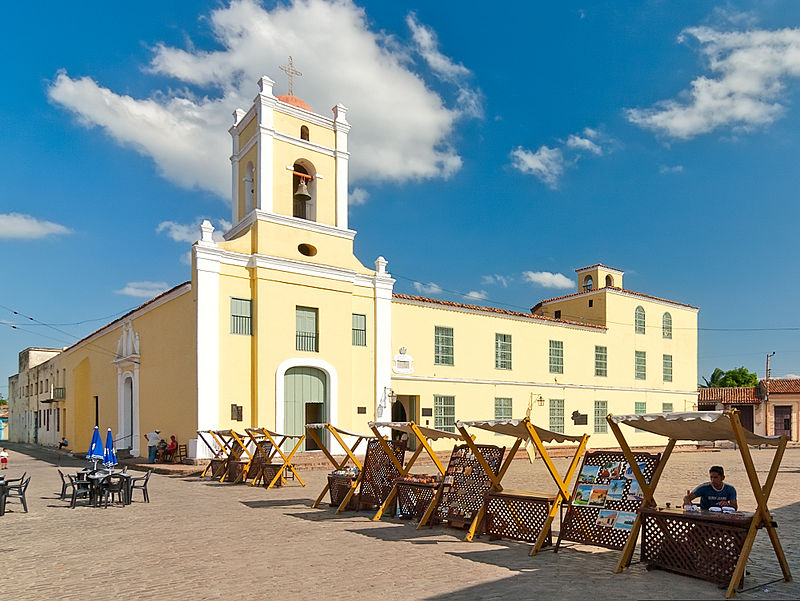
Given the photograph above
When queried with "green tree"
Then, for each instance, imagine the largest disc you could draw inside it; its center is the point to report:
(3, 400)
(741, 376)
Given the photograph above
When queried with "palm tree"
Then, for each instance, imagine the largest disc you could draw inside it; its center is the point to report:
(717, 376)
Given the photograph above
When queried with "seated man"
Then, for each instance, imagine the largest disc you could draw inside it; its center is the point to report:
(714, 493)
(63, 444)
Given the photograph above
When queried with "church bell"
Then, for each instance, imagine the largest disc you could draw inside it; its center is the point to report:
(302, 191)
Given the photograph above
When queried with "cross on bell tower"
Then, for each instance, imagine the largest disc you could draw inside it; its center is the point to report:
(291, 72)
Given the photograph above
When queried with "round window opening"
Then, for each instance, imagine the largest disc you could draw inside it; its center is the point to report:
(307, 250)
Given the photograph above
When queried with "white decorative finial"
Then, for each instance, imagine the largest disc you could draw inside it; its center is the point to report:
(238, 115)
(380, 265)
(206, 234)
(340, 114)
(265, 85)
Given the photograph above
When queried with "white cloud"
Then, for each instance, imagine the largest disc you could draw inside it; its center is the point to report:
(357, 197)
(20, 227)
(401, 127)
(547, 164)
(579, 143)
(792, 377)
(749, 71)
(477, 295)
(545, 279)
(670, 169)
(492, 279)
(143, 289)
(429, 288)
(190, 232)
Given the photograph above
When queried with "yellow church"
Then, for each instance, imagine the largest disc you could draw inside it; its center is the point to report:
(281, 325)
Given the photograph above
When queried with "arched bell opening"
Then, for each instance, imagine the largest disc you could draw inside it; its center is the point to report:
(304, 188)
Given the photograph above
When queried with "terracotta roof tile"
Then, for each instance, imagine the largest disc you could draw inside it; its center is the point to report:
(436, 301)
(733, 395)
(782, 386)
(631, 292)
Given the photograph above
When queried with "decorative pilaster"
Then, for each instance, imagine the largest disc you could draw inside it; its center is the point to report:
(341, 127)
(265, 103)
(384, 285)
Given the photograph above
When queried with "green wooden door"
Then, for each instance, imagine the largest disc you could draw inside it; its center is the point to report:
(305, 400)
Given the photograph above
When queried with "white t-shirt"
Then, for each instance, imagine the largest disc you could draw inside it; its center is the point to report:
(4, 454)
(152, 439)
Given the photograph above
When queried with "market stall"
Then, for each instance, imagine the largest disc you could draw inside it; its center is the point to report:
(268, 452)
(705, 544)
(343, 477)
(414, 493)
(383, 463)
(219, 446)
(522, 515)
(239, 457)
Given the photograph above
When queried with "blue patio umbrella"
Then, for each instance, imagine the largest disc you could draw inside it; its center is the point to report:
(95, 453)
(110, 453)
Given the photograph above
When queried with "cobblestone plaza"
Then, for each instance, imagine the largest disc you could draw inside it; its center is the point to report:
(203, 540)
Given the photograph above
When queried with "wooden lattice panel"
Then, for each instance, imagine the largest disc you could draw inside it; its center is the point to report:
(518, 516)
(217, 467)
(339, 487)
(379, 472)
(234, 470)
(268, 473)
(581, 525)
(693, 545)
(466, 483)
(413, 498)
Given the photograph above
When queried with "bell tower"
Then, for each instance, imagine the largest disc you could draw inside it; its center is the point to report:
(289, 161)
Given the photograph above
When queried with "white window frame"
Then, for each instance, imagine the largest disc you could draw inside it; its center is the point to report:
(502, 351)
(556, 415)
(601, 361)
(600, 413)
(639, 316)
(443, 346)
(556, 356)
(444, 412)
(640, 365)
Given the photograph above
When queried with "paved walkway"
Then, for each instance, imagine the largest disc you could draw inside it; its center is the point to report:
(208, 541)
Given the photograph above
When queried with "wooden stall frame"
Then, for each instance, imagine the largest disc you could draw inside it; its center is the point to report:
(388, 450)
(761, 494)
(222, 444)
(404, 471)
(287, 459)
(561, 483)
(237, 449)
(349, 450)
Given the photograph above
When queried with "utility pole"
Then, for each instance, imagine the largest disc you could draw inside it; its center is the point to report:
(768, 356)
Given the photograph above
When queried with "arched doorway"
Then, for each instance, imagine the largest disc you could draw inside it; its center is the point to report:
(305, 401)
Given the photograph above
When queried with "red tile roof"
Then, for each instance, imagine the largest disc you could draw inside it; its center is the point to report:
(728, 396)
(782, 386)
(631, 292)
(436, 301)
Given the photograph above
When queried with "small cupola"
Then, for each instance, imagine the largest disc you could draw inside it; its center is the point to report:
(598, 276)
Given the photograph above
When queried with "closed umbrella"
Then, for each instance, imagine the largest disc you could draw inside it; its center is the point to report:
(110, 453)
(95, 453)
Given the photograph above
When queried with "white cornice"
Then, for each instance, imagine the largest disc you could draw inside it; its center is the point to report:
(303, 224)
(303, 143)
(537, 319)
(652, 299)
(293, 111)
(540, 385)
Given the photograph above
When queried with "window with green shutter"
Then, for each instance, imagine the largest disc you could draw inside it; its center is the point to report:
(307, 329)
(502, 408)
(601, 361)
(241, 316)
(667, 368)
(556, 423)
(638, 320)
(666, 326)
(640, 365)
(443, 346)
(444, 413)
(359, 330)
(502, 351)
(556, 357)
(600, 413)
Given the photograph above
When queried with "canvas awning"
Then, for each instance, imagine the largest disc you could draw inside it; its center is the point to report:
(429, 433)
(516, 428)
(692, 425)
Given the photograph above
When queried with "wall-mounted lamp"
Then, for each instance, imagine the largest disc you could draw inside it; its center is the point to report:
(540, 400)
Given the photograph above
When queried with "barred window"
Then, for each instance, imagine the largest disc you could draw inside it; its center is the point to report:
(359, 330)
(638, 320)
(307, 336)
(640, 365)
(502, 408)
(502, 351)
(556, 357)
(601, 360)
(443, 346)
(444, 413)
(557, 415)
(667, 368)
(666, 407)
(600, 413)
(241, 316)
(666, 326)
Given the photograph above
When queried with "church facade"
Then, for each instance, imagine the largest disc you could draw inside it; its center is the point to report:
(281, 325)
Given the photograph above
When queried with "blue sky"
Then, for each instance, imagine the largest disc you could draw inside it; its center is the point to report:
(493, 152)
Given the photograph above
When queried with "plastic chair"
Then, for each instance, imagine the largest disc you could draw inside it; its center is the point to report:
(141, 484)
(112, 486)
(80, 488)
(18, 491)
(64, 485)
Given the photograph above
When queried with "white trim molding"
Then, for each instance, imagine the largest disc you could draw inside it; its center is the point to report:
(295, 222)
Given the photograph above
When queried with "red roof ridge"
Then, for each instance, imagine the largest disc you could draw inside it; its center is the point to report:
(436, 301)
(598, 265)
